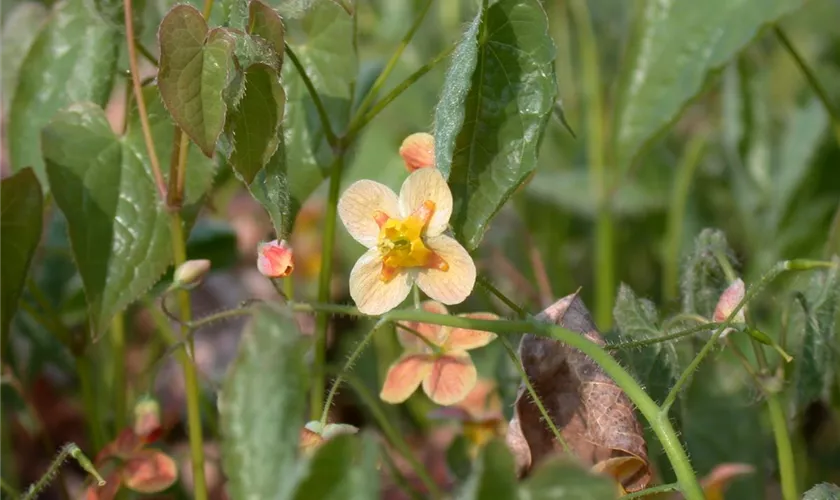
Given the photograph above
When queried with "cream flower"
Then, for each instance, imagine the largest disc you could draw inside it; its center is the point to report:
(406, 243)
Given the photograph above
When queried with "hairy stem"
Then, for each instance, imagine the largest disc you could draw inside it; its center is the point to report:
(67, 451)
(665, 338)
(784, 449)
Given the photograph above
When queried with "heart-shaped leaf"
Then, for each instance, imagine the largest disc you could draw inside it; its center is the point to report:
(73, 59)
(674, 46)
(261, 406)
(195, 68)
(21, 219)
(119, 229)
(265, 22)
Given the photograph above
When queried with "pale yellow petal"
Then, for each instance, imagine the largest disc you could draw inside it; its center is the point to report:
(455, 284)
(358, 205)
(452, 377)
(371, 294)
(427, 184)
(404, 377)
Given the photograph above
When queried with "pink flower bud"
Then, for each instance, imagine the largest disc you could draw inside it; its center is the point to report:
(275, 259)
(418, 151)
(729, 299)
(146, 417)
(191, 272)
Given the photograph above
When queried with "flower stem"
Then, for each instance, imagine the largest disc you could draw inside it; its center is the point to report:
(354, 356)
(332, 140)
(325, 278)
(84, 370)
(784, 449)
(67, 451)
(119, 387)
(665, 338)
(485, 282)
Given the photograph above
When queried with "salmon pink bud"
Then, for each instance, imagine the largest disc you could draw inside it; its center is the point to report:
(418, 151)
(191, 272)
(275, 259)
(729, 300)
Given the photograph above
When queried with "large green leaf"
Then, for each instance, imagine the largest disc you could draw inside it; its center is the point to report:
(494, 137)
(675, 44)
(492, 475)
(329, 58)
(266, 23)
(21, 216)
(816, 365)
(261, 406)
(73, 59)
(702, 279)
(563, 479)
(656, 365)
(119, 229)
(344, 468)
(195, 69)
(20, 28)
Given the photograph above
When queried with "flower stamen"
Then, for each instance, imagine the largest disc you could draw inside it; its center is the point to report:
(401, 244)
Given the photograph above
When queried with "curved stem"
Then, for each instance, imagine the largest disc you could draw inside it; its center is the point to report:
(354, 356)
(784, 449)
(391, 64)
(325, 277)
(67, 451)
(483, 281)
(332, 140)
(655, 340)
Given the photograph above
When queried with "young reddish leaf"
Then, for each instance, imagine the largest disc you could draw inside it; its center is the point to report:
(592, 413)
(150, 471)
(195, 65)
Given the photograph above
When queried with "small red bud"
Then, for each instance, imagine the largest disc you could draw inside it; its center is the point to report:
(729, 299)
(418, 151)
(275, 259)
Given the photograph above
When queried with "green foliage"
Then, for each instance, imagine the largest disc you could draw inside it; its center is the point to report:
(343, 468)
(702, 277)
(823, 491)
(72, 59)
(21, 215)
(20, 28)
(492, 474)
(562, 479)
(492, 139)
(195, 69)
(674, 46)
(261, 406)
(120, 237)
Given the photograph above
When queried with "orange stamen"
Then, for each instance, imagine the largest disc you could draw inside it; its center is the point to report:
(388, 272)
(381, 218)
(424, 212)
(436, 262)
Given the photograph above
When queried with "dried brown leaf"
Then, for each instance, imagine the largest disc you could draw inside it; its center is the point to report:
(594, 416)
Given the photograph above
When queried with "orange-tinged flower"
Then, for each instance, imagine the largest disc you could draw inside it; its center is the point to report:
(275, 259)
(439, 361)
(418, 151)
(727, 302)
(406, 243)
(313, 434)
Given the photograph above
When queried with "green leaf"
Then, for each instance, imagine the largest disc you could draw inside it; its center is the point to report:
(500, 124)
(702, 278)
(561, 479)
(675, 44)
(335, 472)
(119, 229)
(73, 59)
(261, 407)
(823, 491)
(21, 218)
(818, 358)
(21, 27)
(458, 458)
(195, 69)
(254, 127)
(329, 58)
(656, 365)
(265, 22)
(492, 475)
(271, 189)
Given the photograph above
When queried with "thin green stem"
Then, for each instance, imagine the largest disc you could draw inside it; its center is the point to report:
(813, 81)
(534, 396)
(357, 125)
(8, 489)
(832, 244)
(659, 422)
(332, 139)
(485, 282)
(663, 488)
(604, 264)
(665, 338)
(118, 375)
(84, 369)
(784, 449)
(676, 215)
(194, 430)
(324, 281)
(354, 356)
(394, 437)
(67, 451)
(392, 63)
(431, 345)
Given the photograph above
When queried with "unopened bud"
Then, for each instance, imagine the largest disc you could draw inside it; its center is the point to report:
(729, 300)
(275, 259)
(418, 151)
(191, 272)
(146, 417)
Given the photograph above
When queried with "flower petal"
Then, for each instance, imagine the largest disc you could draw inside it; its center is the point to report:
(333, 430)
(427, 184)
(371, 294)
(357, 207)
(404, 377)
(452, 377)
(729, 299)
(309, 439)
(434, 333)
(150, 471)
(463, 339)
(455, 284)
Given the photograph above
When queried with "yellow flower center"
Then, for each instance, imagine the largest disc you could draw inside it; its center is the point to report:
(401, 244)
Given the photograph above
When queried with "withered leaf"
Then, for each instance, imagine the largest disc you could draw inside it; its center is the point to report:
(594, 416)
